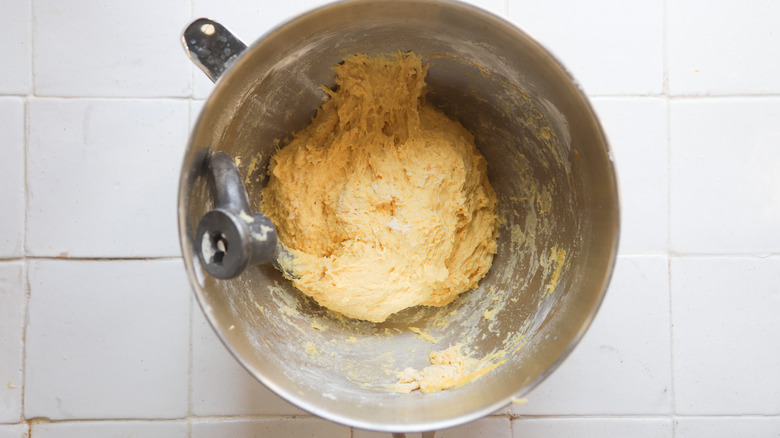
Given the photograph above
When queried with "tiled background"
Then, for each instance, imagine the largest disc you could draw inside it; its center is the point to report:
(99, 335)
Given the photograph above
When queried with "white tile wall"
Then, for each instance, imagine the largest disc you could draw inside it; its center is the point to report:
(592, 428)
(725, 317)
(636, 128)
(622, 365)
(195, 107)
(12, 177)
(612, 47)
(493, 427)
(107, 339)
(12, 309)
(106, 429)
(96, 101)
(725, 174)
(358, 433)
(14, 431)
(95, 48)
(742, 427)
(722, 47)
(220, 385)
(262, 427)
(15, 37)
(99, 186)
(490, 426)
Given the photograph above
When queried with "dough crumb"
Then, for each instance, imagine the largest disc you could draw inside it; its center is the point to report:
(448, 368)
(383, 201)
(519, 401)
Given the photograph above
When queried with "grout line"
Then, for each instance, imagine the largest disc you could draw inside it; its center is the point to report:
(508, 416)
(46, 420)
(626, 96)
(669, 176)
(190, 363)
(113, 98)
(742, 255)
(25, 176)
(593, 417)
(640, 416)
(26, 290)
(31, 89)
(191, 97)
(25, 322)
(189, 106)
(11, 259)
(673, 395)
(724, 96)
(102, 259)
(710, 416)
(26, 193)
(669, 173)
(665, 46)
(644, 254)
(220, 418)
(670, 96)
(250, 417)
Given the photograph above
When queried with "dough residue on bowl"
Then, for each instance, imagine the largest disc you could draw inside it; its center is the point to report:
(383, 201)
(449, 368)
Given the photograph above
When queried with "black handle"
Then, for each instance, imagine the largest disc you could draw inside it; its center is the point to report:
(229, 238)
(211, 47)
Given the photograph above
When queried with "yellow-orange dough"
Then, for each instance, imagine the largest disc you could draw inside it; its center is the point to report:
(448, 368)
(383, 201)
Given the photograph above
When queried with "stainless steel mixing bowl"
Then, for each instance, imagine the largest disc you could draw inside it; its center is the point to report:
(548, 160)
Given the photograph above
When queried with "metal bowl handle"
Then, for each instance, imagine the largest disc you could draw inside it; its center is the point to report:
(211, 46)
(230, 238)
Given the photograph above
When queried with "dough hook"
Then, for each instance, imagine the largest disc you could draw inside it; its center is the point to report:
(230, 237)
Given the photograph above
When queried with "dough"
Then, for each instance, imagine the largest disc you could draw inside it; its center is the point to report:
(448, 368)
(383, 201)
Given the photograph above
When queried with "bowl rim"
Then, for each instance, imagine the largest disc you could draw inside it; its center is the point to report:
(398, 427)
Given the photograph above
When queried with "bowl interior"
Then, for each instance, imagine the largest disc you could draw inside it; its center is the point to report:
(547, 160)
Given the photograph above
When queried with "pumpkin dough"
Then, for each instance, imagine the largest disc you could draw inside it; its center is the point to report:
(382, 200)
(448, 368)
